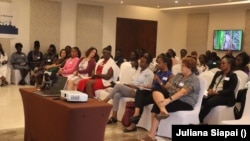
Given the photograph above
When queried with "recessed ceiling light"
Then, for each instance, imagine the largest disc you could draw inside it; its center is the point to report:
(158, 6)
(176, 1)
(121, 2)
(189, 3)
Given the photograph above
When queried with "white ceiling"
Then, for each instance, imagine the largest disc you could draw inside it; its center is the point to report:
(171, 4)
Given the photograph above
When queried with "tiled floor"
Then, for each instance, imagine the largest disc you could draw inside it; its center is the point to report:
(12, 120)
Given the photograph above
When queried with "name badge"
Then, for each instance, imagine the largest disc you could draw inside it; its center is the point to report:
(181, 84)
(164, 78)
(226, 78)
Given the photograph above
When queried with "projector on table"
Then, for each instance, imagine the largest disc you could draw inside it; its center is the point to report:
(74, 96)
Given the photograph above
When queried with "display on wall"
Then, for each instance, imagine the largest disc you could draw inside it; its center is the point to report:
(8, 20)
(228, 40)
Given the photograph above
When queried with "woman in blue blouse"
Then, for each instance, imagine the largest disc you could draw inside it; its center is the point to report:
(144, 97)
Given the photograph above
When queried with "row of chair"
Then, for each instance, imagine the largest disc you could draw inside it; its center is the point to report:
(145, 121)
(218, 115)
(245, 118)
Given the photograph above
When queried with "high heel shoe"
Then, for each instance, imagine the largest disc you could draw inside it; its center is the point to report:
(135, 118)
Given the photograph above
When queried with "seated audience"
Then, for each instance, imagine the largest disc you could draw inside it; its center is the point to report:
(241, 61)
(49, 58)
(140, 52)
(171, 54)
(35, 57)
(85, 68)
(144, 97)
(183, 53)
(202, 66)
(143, 77)
(208, 55)
(134, 63)
(19, 61)
(221, 89)
(151, 65)
(118, 57)
(71, 63)
(194, 54)
(3, 66)
(133, 55)
(51, 70)
(68, 50)
(214, 61)
(106, 71)
(180, 93)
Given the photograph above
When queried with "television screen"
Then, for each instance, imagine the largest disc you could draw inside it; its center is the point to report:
(228, 40)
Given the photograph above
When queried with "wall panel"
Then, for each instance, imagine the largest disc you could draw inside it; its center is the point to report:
(45, 19)
(89, 27)
(246, 33)
(6, 42)
(197, 31)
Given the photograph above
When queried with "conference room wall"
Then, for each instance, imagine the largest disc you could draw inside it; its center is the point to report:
(226, 19)
(172, 26)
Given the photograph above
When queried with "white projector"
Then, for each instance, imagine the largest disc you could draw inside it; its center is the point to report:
(74, 96)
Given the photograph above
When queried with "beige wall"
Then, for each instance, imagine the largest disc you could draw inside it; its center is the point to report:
(172, 26)
(23, 26)
(225, 19)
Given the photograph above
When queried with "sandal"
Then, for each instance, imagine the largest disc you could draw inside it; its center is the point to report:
(148, 138)
(112, 120)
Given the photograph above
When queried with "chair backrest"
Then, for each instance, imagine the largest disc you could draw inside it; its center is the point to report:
(201, 93)
(236, 90)
(176, 69)
(214, 70)
(246, 112)
(126, 72)
(243, 78)
(207, 76)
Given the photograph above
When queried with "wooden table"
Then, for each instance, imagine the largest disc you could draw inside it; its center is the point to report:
(58, 120)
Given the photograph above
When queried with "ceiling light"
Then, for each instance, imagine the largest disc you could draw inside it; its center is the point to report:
(176, 1)
(121, 2)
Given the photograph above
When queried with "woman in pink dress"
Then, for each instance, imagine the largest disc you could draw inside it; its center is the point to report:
(71, 64)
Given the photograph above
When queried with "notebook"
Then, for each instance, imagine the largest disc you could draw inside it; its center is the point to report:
(55, 89)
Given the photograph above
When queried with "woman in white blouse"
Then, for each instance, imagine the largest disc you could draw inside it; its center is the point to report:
(143, 77)
(3, 66)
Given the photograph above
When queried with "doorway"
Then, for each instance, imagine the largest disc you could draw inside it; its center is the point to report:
(134, 34)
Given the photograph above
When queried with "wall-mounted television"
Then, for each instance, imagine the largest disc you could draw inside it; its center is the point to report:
(228, 40)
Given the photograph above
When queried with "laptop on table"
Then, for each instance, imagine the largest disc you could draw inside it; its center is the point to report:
(55, 89)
